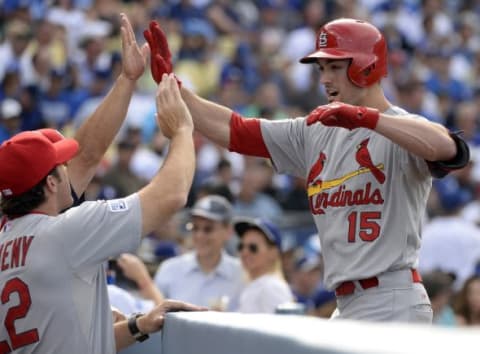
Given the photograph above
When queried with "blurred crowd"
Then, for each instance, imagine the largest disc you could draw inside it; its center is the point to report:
(59, 58)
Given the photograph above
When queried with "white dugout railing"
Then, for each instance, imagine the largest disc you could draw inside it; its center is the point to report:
(233, 333)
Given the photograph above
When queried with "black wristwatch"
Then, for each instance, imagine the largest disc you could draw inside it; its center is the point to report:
(133, 328)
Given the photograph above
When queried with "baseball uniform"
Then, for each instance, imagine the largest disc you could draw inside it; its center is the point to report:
(367, 196)
(52, 277)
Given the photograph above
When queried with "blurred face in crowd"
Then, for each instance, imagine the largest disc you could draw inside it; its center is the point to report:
(338, 87)
(473, 296)
(209, 236)
(306, 281)
(258, 256)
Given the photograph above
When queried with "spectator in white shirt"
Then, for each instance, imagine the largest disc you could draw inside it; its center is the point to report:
(259, 247)
(208, 276)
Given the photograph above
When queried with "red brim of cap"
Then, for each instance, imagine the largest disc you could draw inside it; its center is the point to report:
(326, 53)
(66, 149)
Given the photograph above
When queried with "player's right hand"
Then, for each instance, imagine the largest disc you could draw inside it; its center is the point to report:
(160, 57)
(133, 58)
(338, 114)
(153, 320)
(172, 112)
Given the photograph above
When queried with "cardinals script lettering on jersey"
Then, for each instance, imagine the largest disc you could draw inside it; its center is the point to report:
(343, 197)
(13, 253)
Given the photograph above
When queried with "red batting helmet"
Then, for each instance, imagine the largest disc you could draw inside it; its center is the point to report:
(357, 40)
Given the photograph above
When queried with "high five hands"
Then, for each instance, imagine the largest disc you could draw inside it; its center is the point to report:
(133, 57)
(160, 57)
(338, 114)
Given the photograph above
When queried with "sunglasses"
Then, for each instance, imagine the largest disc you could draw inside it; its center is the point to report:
(252, 247)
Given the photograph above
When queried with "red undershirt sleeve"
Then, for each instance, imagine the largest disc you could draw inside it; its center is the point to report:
(246, 136)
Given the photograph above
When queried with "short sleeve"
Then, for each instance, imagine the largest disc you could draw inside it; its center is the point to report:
(285, 140)
(95, 231)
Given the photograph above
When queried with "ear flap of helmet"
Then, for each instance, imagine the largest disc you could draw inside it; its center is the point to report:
(366, 69)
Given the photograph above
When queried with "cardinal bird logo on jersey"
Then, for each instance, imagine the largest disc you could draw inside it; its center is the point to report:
(316, 170)
(335, 192)
(364, 160)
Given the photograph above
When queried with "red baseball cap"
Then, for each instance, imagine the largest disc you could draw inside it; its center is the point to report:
(26, 158)
(52, 134)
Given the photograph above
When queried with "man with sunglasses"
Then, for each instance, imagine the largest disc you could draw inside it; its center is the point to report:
(208, 276)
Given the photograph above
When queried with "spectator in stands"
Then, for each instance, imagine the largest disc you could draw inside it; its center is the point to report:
(467, 304)
(325, 304)
(251, 200)
(449, 242)
(208, 276)
(307, 278)
(135, 270)
(259, 247)
(306, 281)
(294, 199)
(439, 289)
(13, 53)
(120, 177)
(10, 118)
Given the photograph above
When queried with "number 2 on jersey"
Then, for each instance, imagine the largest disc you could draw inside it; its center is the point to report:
(17, 340)
(369, 229)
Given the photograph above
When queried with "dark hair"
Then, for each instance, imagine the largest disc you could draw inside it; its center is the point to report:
(461, 305)
(26, 202)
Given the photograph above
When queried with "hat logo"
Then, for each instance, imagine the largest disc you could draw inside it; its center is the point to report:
(322, 40)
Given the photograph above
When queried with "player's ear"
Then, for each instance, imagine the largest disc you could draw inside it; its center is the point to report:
(52, 181)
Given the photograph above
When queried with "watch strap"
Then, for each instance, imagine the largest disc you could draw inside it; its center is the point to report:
(133, 328)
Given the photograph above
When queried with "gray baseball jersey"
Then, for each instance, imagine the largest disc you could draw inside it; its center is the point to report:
(367, 195)
(52, 277)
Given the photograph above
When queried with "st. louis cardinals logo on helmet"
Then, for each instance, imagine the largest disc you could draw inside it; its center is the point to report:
(322, 40)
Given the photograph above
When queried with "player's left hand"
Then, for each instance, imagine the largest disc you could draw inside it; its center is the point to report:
(134, 59)
(338, 114)
(173, 115)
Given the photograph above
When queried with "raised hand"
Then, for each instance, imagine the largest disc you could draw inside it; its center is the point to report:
(133, 58)
(160, 57)
(338, 114)
(172, 112)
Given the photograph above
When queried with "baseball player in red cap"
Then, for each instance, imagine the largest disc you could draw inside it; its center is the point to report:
(52, 279)
(369, 191)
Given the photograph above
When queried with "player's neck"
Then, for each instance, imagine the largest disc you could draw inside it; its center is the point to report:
(48, 207)
(375, 98)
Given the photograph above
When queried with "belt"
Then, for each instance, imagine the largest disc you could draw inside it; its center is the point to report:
(348, 287)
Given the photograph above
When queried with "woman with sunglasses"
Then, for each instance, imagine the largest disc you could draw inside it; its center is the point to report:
(260, 250)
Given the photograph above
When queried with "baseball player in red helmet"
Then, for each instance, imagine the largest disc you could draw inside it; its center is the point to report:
(370, 193)
(52, 279)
